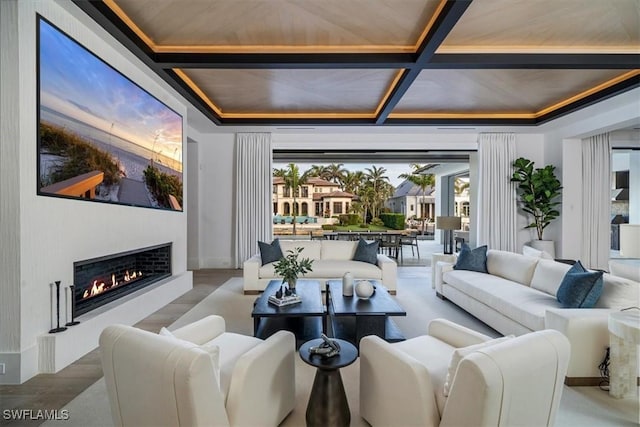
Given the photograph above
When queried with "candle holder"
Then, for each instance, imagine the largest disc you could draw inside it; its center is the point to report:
(71, 297)
(58, 328)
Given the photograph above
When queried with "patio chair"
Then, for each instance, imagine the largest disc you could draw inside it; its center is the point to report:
(410, 240)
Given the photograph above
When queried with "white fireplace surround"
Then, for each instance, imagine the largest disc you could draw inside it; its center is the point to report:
(55, 351)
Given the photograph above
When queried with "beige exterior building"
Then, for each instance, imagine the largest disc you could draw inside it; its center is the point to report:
(317, 198)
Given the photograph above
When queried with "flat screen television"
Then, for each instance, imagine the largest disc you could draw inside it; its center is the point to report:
(101, 137)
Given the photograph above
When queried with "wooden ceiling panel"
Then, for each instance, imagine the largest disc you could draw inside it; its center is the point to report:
(278, 25)
(293, 91)
(547, 26)
(497, 91)
(359, 62)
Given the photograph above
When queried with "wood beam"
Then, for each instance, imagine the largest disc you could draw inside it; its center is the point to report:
(591, 61)
(284, 60)
(444, 23)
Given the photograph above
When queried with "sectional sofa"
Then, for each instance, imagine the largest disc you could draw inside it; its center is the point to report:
(518, 296)
(331, 260)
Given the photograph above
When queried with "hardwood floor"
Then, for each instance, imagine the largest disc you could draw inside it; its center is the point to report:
(54, 391)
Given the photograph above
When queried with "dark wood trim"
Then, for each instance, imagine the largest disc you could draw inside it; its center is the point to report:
(284, 60)
(611, 91)
(587, 381)
(252, 292)
(514, 61)
(444, 23)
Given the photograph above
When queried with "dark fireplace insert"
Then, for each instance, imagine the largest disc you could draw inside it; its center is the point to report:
(107, 278)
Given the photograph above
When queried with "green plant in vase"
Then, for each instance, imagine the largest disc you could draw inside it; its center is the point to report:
(290, 267)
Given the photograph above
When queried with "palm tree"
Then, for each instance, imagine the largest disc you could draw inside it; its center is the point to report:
(352, 182)
(459, 186)
(293, 180)
(281, 173)
(376, 177)
(319, 171)
(421, 180)
(336, 173)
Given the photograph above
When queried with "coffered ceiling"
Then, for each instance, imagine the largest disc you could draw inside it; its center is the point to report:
(383, 62)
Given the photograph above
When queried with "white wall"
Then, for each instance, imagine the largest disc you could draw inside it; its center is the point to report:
(563, 149)
(634, 187)
(217, 200)
(56, 232)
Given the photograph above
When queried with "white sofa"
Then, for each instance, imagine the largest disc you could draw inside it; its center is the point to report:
(331, 259)
(157, 380)
(518, 296)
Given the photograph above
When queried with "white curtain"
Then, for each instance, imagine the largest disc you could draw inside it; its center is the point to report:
(253, 194)
(596, 201)
(496, 193)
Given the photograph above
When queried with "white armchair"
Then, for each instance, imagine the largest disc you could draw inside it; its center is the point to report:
(515, 382)
(157, 380)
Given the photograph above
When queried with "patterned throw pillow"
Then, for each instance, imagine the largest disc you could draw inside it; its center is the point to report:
(270, 252)
(472, 260)
(366, 252)
(580, 288)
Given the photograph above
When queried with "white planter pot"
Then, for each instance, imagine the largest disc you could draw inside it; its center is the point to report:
(544, 245)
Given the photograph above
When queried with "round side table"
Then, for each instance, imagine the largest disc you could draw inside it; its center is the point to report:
(328, 404)
(624, 338)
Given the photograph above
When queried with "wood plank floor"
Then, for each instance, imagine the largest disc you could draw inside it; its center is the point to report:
(54, 391)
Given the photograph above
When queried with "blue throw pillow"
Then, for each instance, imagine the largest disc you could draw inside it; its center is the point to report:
(270, 252)
(472, 260)
(580, 288)
(366, 252)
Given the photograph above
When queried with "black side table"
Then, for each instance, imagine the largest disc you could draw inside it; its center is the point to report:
(328, 404)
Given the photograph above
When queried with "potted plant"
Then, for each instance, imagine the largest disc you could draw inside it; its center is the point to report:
(290, 267)
(537, 190)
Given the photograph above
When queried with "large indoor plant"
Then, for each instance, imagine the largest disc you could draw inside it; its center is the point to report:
(290, 267)
(538, 190)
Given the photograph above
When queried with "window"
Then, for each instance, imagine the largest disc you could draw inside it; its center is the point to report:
(465, 208)
(286, 192)
(411, 208)
(346, 207)
(305, 209)
(305, 191)
(275, 208)
(275, 189)
(318, 209)
(337, 207)
(286, 208)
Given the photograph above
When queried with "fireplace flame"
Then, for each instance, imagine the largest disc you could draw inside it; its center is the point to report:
(100, 286)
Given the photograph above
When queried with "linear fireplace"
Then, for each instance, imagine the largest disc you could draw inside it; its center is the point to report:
(104, 279)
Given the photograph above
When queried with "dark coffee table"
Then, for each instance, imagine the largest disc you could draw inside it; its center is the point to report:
(353, 318)
(328, 405)
(306, 319)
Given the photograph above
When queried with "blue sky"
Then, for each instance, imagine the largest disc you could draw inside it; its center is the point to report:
(78, 84)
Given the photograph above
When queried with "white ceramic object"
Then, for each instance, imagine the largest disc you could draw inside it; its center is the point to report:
(547, 246)
(364, 289)
(347, 284)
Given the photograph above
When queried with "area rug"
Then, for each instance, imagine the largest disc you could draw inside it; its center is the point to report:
(580, 405)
